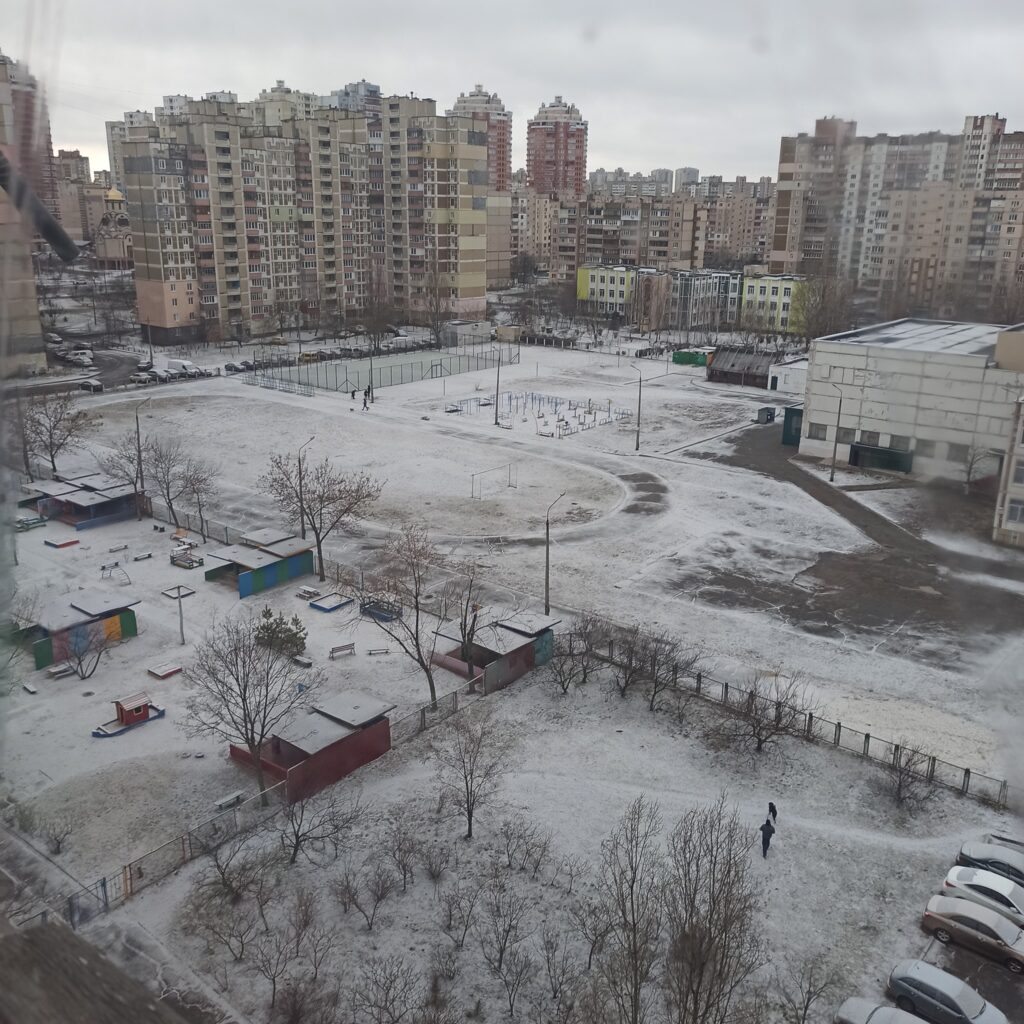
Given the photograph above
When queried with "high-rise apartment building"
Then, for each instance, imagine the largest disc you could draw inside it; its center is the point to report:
(740, 221)
(361, 96)
(621, 183)
(489, 115)
(685, 176)
(117, 132)
(23, 337)
(239, 225)
(81, 208)
(29, 133)
(556, 149)
(103, 178)
(926, 223)
(72, 166)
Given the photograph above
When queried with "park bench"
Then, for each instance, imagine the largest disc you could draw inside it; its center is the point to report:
(380, 650)
(307, 593)
(231, 800)
(301, 659)
(60, 671)
(29, 688)
(142, 558)
(342, 649)
(119, 547)
(30, 522)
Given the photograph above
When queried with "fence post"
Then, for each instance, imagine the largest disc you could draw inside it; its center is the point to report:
(700, 679)
(867, 744)
(931, 768)
(725, 692)
(103, 890)
(896, 754)
(455, 701)
(966, 784)
(1002, 792)
(838, 734)
(809, 725)
(423, 719)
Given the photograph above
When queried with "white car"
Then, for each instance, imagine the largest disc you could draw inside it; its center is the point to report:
(866, 1011)
(987, 888)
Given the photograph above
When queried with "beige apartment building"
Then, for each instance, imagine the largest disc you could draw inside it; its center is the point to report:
(81, 208)
(246, 220)
(740, 226)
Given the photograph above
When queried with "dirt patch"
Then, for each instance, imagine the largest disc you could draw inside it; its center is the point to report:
(647, 492)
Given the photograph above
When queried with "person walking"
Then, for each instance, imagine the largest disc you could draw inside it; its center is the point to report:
(767, 831)
(773, 812)
(353, 394)
(365, 406)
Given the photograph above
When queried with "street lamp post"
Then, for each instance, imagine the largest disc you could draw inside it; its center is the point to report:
(547, 554)
(639, 399)
(139, 471)
(497, 389)
(302, 502)
(835, 440)
(182, 593)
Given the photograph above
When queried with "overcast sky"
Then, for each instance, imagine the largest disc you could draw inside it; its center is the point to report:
(666, 83)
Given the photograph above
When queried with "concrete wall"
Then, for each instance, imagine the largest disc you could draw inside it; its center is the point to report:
(254, 581)
(934, 399)
(333, 763)
(792, 380)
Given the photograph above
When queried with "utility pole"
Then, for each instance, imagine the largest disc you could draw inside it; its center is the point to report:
(497, 389)
(179, 597)
(302, 503)
(835, 440)
(547, 554)
(639, 399)
(139, 470)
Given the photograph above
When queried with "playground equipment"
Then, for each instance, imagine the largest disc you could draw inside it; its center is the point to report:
(476, 480)
(131, 711)
(30, 522)
(115, 571)
(382, 611)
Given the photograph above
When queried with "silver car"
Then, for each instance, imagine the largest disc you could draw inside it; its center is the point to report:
(938, 996)
(866, 1011)
(969, 924)
(988, 889)
(992, 857)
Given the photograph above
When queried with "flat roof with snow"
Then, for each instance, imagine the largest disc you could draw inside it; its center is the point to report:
(248, 558)
(51, 488)
(85, 499)
(948, 337)
(354, 708)
(266, 536)
(313, 732)
(98, 602)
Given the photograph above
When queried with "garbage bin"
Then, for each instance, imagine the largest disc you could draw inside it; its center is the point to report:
(766, 414)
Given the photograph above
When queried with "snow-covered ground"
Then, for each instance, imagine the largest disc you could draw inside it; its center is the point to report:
(632, 539)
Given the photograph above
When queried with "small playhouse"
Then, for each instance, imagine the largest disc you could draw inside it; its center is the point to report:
(128, 713)
(67, 626)
(503, 649)
(324, 744)
(85, 501)
(264, 558)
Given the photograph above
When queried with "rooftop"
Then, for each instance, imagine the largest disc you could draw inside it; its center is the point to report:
(948, 337)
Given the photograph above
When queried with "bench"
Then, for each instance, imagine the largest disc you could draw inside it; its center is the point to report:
(163, 671)
(60, 671)
(29, 688)
(380, 650)
(301, 659)
(120, 547)
(142, 558)
(342, 649)
(307, 593)
(231, 800)
(109, 566)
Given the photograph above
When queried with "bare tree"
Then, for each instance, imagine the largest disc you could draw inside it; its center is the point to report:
(519, 967)
(560, 967)
(272, 954)
(54, 424)
(365, 888)
(379, 311)
(471, 761)
(308, 1000)
(56, 830)
(667, 661)
(318, 823)
(592, 919)
(630, 886)
(386, 991)
(500, 930)
(977, 460)
(908, 776)
(711, 913)
(773, 707)
(320, 496)
(460, 903)
(631, 659)
(201, 486)
(232, 926)
(821, 304)
(402, 844)
(240, 867)
(123, 460)
(301, 915)
(318, 946)
(435, 859)
(241, 691)
(804, 986)
(437, 296)
(86, 645)
(402, 591)
(572, 867)
(167, 465)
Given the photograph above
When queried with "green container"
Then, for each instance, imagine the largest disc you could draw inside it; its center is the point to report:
(689, 358)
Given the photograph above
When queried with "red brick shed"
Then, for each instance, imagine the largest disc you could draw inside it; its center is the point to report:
(326, 743)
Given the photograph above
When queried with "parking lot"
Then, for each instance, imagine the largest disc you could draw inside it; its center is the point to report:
(992, 980)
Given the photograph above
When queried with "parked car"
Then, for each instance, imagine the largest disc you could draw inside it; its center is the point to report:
(248, 364)
(54, 339)
(160, 376)
(1000, 859)
(140, 378)
(977, 927)
(987, 889)
(939, 996)
(862, 1011)
(233, 367)
(172, 373)
(206, 371)
(91, 385)
(145, 364)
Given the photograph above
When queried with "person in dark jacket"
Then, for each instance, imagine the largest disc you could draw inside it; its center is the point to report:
(767, 831)
(773, 812)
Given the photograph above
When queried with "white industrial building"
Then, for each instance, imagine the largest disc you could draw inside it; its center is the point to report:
(1009, 519)
(932, 398)
(789, 376)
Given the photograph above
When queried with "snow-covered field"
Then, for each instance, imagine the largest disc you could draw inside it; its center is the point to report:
(632, 539)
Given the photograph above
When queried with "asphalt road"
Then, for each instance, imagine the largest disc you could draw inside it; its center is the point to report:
(115, 367)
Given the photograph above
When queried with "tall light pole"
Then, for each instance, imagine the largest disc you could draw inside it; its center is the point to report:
(547, 554)
(139, 471)
(835, 440)
(179, 597)
(639, 399)
(497, 389)
(302, 500)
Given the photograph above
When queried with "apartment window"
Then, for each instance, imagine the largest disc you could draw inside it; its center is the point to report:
(846, 435)
(899, 442)
(1018, 472)
(174, 302)
(786, 292)
(869, 437)
(1015, 511)
(622, 294)
(925, 449)
(174, 287)
(957, 452)
(763, 290)
(775, 290)
(817, 431)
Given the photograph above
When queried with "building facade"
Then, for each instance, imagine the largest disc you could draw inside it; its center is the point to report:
(240, 226)
(113, 237)
(769, 303)
(1009, 518)
(72, 166)
(556, 149)
(81, 207)
(933, 398)
(704, 301)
